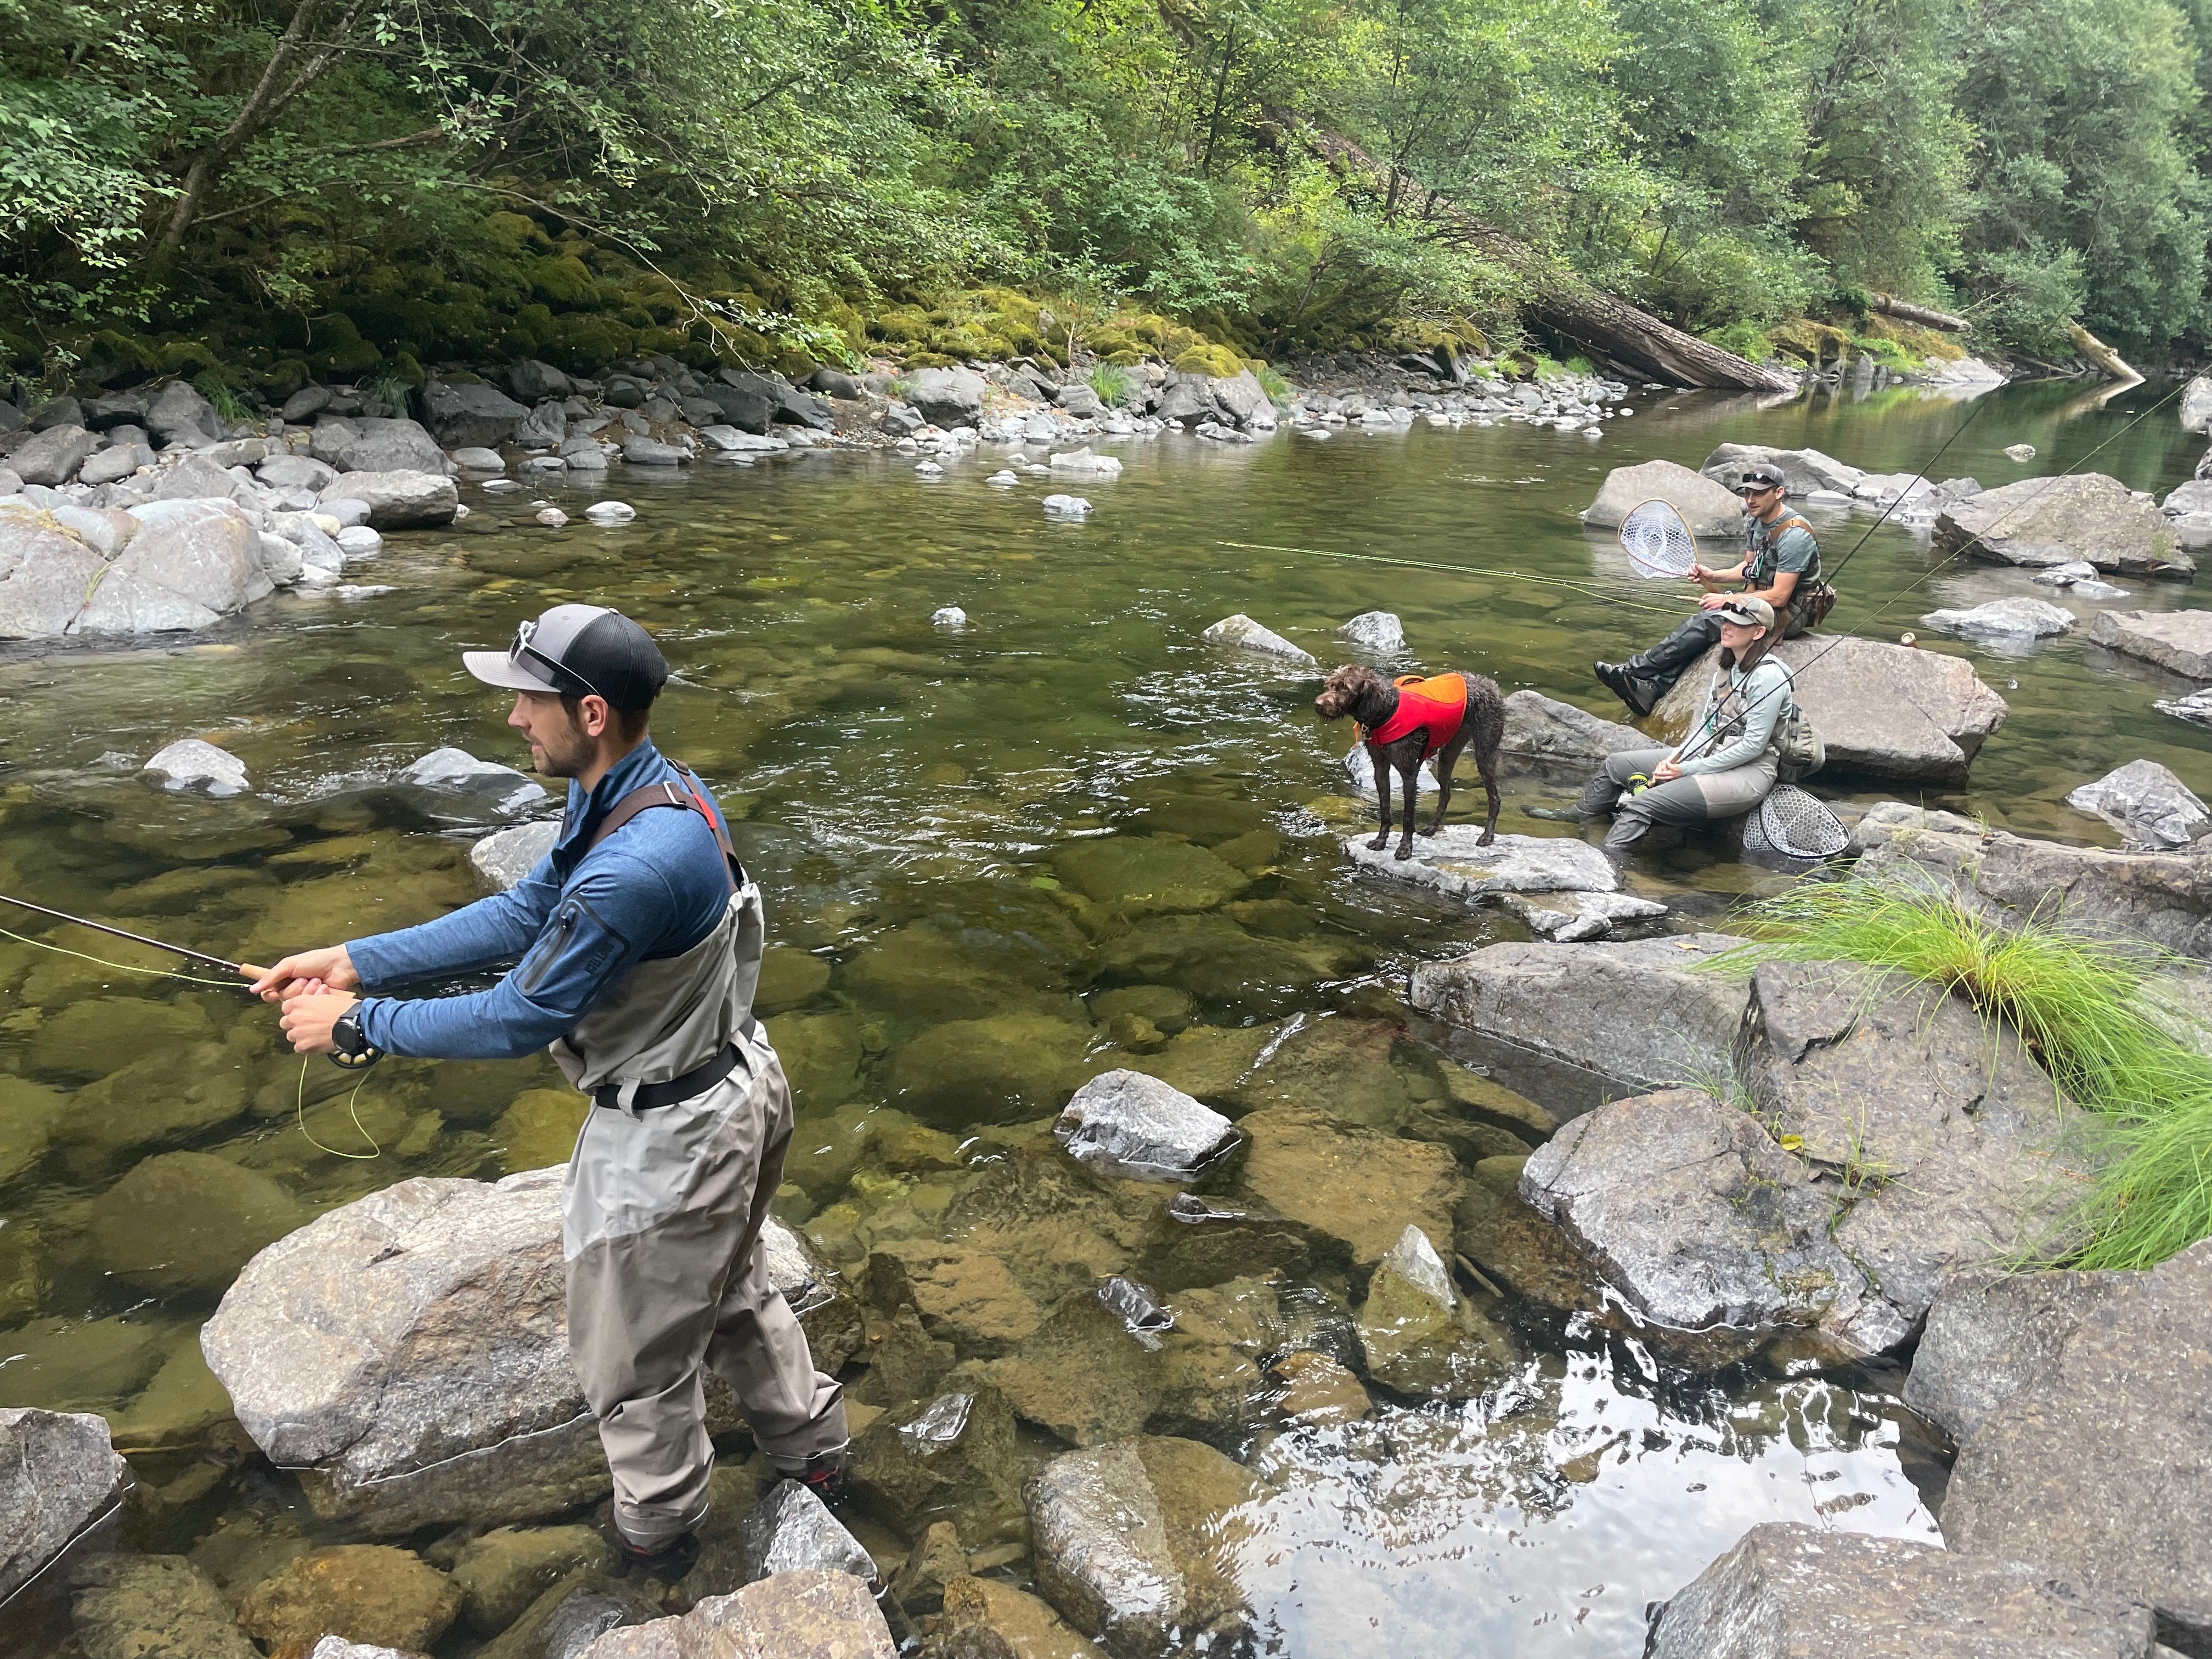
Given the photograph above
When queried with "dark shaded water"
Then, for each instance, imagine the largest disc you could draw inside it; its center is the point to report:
(999, 860)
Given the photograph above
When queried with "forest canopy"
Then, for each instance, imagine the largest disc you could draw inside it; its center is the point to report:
(370, 186)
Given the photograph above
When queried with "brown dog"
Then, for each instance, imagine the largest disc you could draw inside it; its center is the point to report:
(1426, 728)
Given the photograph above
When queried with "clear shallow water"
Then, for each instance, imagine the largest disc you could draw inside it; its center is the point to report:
(927, 812)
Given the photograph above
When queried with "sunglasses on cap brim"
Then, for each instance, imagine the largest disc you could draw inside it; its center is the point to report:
(566, 680)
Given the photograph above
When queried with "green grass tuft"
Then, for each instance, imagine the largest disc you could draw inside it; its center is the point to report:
(229, 407)
(1109, 381)
(1279, 390)
(2088, 1008)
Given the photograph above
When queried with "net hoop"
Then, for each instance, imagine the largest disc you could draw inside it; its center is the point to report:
(1657, 541)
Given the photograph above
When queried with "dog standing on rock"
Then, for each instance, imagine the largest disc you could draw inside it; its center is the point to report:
(1405, 721)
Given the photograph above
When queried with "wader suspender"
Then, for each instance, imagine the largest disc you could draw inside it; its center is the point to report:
(1812, 599)
(649, 1095)
(668, 794)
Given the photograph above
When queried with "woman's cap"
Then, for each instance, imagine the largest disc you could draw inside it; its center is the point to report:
(1747, 611)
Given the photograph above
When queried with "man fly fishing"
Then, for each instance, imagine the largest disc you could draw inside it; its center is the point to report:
(638, 939)
(1781, 566)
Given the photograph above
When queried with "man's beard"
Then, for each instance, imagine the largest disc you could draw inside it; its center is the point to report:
(567, 758)
(1727, 660)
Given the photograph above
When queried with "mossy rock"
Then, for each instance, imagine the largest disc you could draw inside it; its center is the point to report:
(931, 360)
(1217, 361)
(584, 340)
(564, 281)
(516, 230)
(406, 370)
(284, 377)
(110, 358)
(185, 359)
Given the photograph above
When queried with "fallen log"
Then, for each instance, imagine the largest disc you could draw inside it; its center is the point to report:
(1589, 318)
(1906, 312)
(2102, 356)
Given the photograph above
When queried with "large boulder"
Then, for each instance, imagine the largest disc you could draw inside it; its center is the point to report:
(2146, 803)
(178, 415)
(1803, 471)
(58, 1475)
(749, 406)
(52, 456)
(1886, 710)
(1989, 1332)
(2178, 640)
(1544, 728)
(533, 381)
(1792, 1591)
(1241, 633)
(45, 573)
(2047, 521)
(376, 1346)
(377, 444)
(2165, 896)
(1707, 508)
(2098, 1465)
(190, 564)
(945, 397)
(400, 500)
(1645, 1013)
(1245, 399)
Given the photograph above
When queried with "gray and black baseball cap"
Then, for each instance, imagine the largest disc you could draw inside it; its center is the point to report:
(577, 651)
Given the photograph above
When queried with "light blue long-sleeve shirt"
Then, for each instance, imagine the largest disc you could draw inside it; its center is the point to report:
(1758, 699)
(575, 926)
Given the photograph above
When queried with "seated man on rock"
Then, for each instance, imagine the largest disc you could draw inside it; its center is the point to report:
(1728, 764)
(639, 940)
(1781, 564)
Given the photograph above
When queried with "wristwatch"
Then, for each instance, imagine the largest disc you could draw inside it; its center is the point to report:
(349, 1048)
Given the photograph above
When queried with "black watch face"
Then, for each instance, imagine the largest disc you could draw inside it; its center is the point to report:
(345, 1033)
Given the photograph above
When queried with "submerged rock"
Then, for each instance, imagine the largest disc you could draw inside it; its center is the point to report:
(1886, 710)
(2095, 1465)
(1241, 633)
(953, 1458)
(1644, 1012)
(1420, 1337)
(2004, 620)
(2046, 521)
(984, 1619)
(2146, 803)
(1137, 1543)
(138, 1607)
(1126, 1123)
(368, 1593)
(188, 1221)
(501, 1572)
(2178, 640)
(1355, 1185)
(505, 856)
(2161, 895)
(192, 762)
(58, 1475)
(1788, 1590)
(1139, 874)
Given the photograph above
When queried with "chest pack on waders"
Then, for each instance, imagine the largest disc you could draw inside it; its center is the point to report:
(1810, 601)
(1798, 749)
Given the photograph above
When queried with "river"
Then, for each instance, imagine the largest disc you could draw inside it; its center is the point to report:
(907, 796)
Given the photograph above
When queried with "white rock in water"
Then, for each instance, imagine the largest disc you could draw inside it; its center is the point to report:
(358, 541)
(1375, 630)
(951, 616)
(190, 763)
(1451, 863)
(551, 517)
(2008, 619)
(1825, 498)
(1065, 506)
(928, 470)
(1245, 635)
(2146, 803)
(456, 771)
(607, 513)
(1126, 1123)
(1003, 479)
(2021, 451)
(2195, 708)
(1082, 461)
(479, 460)
(505, 857)
(501, 486)
(359, 591)
(2065, 575)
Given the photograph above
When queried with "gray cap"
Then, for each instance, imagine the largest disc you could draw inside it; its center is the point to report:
(1747, 611)
(576, 650)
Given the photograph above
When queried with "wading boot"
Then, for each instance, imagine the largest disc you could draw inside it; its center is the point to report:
(668, 1562)
(1639, 694)
(823, 1474)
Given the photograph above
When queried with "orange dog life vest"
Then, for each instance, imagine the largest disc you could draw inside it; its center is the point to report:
(1439, 705)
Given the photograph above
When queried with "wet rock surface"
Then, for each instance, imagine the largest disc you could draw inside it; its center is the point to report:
(368, 1593)
(2178, 640)
(1127, 1123)
(1420, 1337)
(131, 1607)
(1790, 1589)
(1450, 862)
(1646, 1012)
(501, 1572)
(505, 856)
(1241, 633)
(805, 1615)
(1356, 1186)
(1989, 1332)
(2047, 521)
(2094, 1465)
(1544, 728)
(2004, 620)
(2165, 896)
(58, 1474)
(790, 1530)
(984, 1619)
(1883, 710)
(2147, 804)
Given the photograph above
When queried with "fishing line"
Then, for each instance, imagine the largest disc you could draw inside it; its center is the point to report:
(353, 1101)
(1459, 570)
(353, 1107)
(1956, 554)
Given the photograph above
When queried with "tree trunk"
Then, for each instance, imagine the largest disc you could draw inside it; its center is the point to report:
(1906, 312)
(1558, 299)
(2114, 365)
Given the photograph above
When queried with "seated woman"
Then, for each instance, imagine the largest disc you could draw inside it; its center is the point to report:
(1727, 764)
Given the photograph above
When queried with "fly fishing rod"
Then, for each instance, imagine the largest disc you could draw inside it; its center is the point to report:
(353, 1062)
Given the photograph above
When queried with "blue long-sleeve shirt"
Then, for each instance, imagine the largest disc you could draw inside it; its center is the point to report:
(575, 926)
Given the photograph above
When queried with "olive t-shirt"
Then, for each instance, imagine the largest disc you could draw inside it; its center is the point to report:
(1766, 554)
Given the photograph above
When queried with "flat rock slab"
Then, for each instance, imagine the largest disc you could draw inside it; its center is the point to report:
(2099, 1466)
(1790, 1591)
(2163, 897)
(1640, 1011)
(1449, 862)
(1886, 710)
(1803, 471)
(2178, 640)
(818, 1614)
(2146, 803)
(2002, 620)
(1575, 918)
(1241, 633)
(2046, 521)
